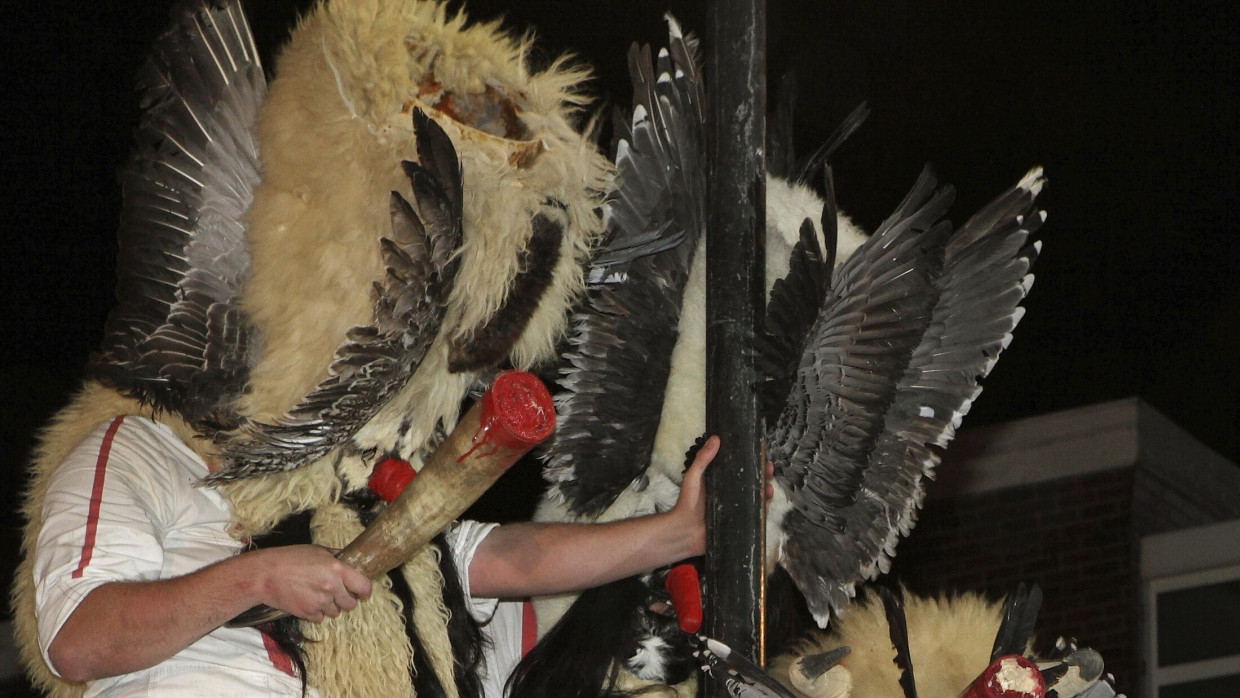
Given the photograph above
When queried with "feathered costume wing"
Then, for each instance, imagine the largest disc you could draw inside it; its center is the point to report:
(177, 337)
(911, 323)
(868, 369)
(623, 335)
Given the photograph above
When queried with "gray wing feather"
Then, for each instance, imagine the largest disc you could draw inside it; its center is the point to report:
(377, 359)
(914, 320)
(615, 371)
(177, 338)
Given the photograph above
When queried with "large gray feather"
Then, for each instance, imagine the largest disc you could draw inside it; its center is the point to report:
(912, 322)
(615, 372)
(177, 338)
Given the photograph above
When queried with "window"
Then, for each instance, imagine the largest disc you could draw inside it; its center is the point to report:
(1192, 613)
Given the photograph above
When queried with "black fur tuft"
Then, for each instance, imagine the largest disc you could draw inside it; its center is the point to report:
(425, 681)
(286, 632)
(487, 346)
(1020, 616)
(463, 631)
(897, 626)
(580, 657)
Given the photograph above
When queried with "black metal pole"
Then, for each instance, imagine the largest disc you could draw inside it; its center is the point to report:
(736, 80)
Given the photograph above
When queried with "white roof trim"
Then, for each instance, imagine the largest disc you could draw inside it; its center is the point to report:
(1080, 441)
(1190, 550)
(1036, 449)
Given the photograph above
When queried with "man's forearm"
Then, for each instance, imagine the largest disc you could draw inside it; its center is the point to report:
(122, 627)
(531, 559)
(528, 559)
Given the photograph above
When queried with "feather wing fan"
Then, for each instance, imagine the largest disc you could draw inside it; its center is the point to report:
(177, 337)
(912, 322)
(624, 333)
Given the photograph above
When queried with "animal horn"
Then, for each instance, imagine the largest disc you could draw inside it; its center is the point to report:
(514, 415)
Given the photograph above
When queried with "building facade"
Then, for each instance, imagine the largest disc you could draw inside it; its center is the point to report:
(1122, 518)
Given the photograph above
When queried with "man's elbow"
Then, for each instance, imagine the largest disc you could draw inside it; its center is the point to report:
(71, 660)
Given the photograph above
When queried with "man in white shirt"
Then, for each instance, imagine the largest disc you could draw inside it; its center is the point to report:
(135, 571)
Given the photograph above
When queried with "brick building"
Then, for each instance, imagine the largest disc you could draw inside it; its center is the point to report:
(1130, 526)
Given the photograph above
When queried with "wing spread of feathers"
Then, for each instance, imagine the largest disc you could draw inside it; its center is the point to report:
(621, 341)
(376, 359)
(177, 338)
(911, 322)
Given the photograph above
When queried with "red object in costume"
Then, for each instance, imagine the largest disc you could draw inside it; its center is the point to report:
(682, 585)
(390, 477)
(1010, 676)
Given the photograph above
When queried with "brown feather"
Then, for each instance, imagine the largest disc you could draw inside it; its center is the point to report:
(488, 345)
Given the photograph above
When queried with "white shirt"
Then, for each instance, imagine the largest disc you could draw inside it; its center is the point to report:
(508, 624)
(125, 506)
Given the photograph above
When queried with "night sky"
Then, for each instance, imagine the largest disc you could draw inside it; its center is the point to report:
(1132, 107)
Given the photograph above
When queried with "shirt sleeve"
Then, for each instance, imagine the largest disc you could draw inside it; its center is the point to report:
(463, 538)
(98, 526)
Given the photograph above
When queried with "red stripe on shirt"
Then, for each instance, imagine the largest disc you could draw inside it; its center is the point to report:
(96, 495)
(529, 627)
(279, 659)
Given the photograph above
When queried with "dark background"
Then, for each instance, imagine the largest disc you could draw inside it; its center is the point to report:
(1130, 106)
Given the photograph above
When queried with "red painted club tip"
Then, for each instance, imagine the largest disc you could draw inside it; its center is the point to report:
(517, 410)
(1010, 676)
(390, 477)
(682, 585)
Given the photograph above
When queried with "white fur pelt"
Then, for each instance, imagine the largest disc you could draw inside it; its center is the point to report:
(950, 639)
(683, 417)
(332, 134)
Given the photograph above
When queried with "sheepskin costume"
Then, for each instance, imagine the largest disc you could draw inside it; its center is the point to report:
(634, 391)
(950, 639)
(332, 133)
(683, 418)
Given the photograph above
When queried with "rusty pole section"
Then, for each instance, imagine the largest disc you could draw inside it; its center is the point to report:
(736, 80)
